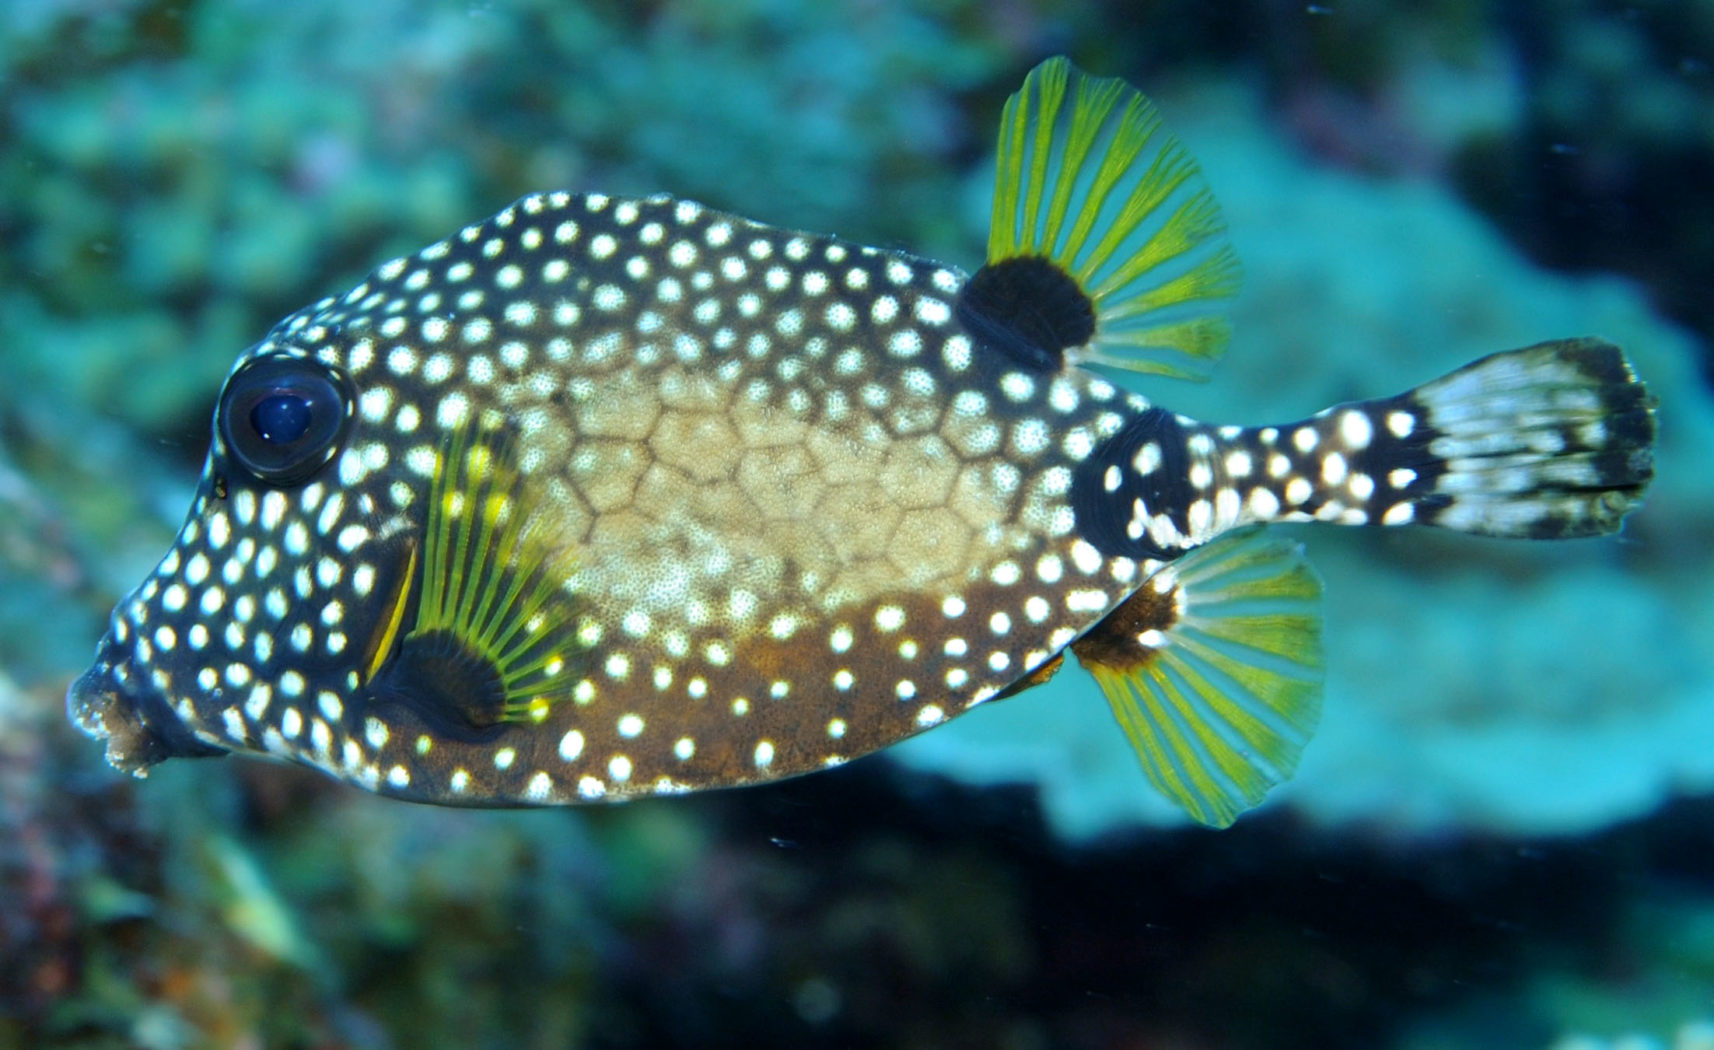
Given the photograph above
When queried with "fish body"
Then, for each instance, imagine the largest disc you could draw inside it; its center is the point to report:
(604, 497)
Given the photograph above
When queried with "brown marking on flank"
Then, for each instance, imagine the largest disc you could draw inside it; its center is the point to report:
(1037, 677)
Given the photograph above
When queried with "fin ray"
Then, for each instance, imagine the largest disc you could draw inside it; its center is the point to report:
(1090, 179)
(1215, 672)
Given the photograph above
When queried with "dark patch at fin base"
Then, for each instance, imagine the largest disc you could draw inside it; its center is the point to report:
(1112, 643)
(1027, 308)
(457, 692)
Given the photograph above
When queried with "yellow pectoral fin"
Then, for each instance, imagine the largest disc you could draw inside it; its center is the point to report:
(1214, 670)
(492, 640)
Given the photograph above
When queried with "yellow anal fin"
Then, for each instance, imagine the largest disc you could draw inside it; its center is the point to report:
(1090, 179)
(1214, 670)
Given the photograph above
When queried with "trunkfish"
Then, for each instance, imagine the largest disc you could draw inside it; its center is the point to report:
(609, 497)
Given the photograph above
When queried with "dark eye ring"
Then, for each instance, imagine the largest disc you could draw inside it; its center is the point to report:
(283, 417)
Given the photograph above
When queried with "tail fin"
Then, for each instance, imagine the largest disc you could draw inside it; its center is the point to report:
(1551, 441)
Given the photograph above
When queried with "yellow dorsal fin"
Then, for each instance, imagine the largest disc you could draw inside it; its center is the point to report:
(1091, 180)
(1214, 670)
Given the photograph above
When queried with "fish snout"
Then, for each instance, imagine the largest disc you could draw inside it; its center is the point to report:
(109, 702)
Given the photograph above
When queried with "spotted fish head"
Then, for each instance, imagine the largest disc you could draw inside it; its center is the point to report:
(280, 586)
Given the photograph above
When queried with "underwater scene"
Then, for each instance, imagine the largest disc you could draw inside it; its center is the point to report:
(679, 443)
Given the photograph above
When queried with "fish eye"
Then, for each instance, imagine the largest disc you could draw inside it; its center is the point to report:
(283, 417)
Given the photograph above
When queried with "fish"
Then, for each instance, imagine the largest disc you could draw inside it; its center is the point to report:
(606, 497)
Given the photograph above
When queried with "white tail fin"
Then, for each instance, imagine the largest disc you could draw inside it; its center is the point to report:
(1553, 440)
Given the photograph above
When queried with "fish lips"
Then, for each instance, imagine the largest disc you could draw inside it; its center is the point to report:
(109, 703)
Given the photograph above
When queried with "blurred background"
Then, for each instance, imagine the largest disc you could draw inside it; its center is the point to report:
(1503, 836)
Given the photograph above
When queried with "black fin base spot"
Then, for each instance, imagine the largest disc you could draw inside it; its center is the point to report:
(457, 692)
(1027, 308)
(1113, 643)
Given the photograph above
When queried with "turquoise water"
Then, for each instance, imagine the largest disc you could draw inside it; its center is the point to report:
(1500, 838)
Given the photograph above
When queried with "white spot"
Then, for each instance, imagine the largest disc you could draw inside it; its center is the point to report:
(956, 353)
(1401, 423)
(1148, 458)
(764, 754)
(257, 705)
(619, 768)
(1086, 600)
(453, 410)
(1355, 429)
(1200, 516)
(1333, 468)
(630, 726)
(1030, 437)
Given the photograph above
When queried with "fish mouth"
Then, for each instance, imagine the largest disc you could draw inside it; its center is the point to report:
(138, 725)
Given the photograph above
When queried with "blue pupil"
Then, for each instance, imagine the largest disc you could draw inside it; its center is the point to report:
(281, 419)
